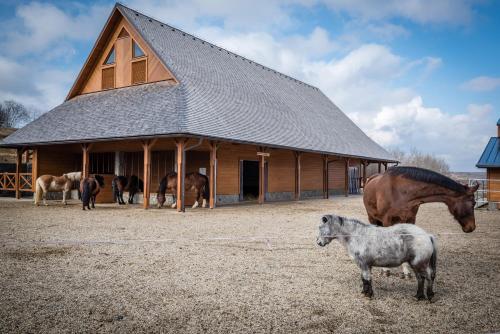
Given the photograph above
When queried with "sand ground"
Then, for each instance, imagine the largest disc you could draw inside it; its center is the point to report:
(234, 269)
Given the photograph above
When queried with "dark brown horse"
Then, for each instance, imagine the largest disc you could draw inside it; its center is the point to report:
(193, 181)
(90, 188)
(132, 184)
(395, 197)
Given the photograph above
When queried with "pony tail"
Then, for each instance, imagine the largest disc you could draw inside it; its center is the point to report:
(206, 189)
(86, 194)
(433, 259)
(38, 191)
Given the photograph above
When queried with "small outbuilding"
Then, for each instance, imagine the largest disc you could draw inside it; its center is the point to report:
(490, 159)
(151, 99)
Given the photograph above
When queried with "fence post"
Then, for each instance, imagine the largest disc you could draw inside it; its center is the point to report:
(19, 156)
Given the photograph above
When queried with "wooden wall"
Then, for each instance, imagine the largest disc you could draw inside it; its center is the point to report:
(311, 171)
(123, 57)
(281, 171)
(57, 160)
(228, 166)
(493, 174)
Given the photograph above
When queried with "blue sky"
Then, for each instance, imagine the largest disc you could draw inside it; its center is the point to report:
(412, 74)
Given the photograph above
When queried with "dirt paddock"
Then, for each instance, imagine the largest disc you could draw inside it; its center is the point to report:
(234, 269)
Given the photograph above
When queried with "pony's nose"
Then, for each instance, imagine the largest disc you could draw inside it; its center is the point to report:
(469, 228)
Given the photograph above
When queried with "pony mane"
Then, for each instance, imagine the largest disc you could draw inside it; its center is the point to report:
(427, 176)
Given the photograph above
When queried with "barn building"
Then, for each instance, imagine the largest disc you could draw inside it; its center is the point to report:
(490, 159)
(151, 99)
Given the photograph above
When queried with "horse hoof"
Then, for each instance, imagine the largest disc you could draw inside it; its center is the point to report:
(420, 297)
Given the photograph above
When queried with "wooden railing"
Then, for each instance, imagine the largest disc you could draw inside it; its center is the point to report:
(8, 181)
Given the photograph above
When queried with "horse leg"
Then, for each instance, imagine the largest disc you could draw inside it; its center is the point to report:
(406, 271)
(420, 288)
(93, 201)
(366, 277)
(429, 277)
(196, 203)
(64, 197)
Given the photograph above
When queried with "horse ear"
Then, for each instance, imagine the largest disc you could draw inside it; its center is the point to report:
(324, 219)
(341, 221)
(473, 189)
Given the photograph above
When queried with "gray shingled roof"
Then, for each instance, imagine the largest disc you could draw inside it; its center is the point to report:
(219, 95)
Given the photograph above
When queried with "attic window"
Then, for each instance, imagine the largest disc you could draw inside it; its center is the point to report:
(123, 33)
(110, 59)
(108, 78)
(139, 72)
(136, 50)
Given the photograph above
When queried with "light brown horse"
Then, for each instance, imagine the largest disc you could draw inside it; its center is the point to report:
(193, 181)
(50, 183)
(90, 188)
(395, 196)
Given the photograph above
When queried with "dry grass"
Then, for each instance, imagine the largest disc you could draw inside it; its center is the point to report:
(119, 269)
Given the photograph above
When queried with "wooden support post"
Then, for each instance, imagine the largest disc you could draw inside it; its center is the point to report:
(262, 182)
(385, 167)
(379, 168)
(34, 169)
(19, 161)
(325, 176)
(212, 180)
(364, 174)
(297, 175)
(85, 160)
(181, 173)
(147, 145)
(346, 185)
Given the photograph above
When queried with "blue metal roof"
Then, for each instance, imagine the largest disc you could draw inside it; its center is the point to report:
(491, 154)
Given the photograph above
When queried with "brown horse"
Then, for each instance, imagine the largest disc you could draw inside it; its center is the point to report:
(193, 181)
(395, 196)
(121, 183)
(90, 188)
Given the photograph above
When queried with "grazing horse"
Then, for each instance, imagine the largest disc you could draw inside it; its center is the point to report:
(395, 197)
(90, 188)
(371, 246)
(193, 181)
(121, 183)
(50, 183)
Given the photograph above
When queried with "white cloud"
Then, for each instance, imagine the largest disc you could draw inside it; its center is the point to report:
(458, 138)
(482, 84)
(420, 11)
(43, 27)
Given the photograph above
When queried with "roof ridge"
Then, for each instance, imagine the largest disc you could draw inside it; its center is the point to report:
(219, 47)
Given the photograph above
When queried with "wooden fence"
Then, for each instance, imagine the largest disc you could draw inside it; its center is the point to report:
(8, 181)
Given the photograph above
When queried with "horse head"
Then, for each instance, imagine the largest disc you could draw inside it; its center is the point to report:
(462, 209)
(99, 180)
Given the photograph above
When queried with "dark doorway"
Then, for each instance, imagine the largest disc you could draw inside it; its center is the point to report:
(249, 180)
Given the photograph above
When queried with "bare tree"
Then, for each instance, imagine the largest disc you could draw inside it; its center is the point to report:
(418, 159)
(12, 114)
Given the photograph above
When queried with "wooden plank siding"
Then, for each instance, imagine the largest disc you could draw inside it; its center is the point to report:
(57, 160)
(494, 184)
(311, 172)
(336, 173)
(281, 171)
(155, 70)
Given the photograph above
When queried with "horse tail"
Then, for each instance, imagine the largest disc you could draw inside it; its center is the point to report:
(433, 259)
(86, 194)
(206, 188)
(39, 191)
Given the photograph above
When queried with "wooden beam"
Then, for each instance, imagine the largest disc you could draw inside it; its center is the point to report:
(85, 160)
(297, 175)
(325, 176)
(346, 185)
(364, 173)
(262, 182)
(147, 145)
(181, 173)
(379, 168)
(34, 169)
(19, 161)
(212, 178)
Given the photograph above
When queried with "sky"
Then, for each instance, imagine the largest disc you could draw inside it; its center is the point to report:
(421, 75)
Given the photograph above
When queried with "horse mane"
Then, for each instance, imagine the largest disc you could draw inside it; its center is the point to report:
(99, 180)
(426, 176)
